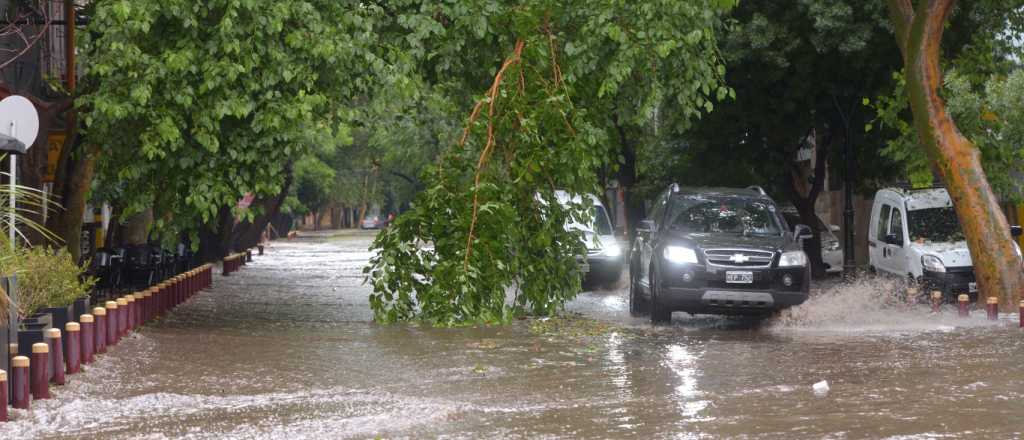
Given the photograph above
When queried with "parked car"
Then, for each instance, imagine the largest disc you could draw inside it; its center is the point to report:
(831, 249)
(719, 251)
(916, 234)
(372, 220)
(604, 260)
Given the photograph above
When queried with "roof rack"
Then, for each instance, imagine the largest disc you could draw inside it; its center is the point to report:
(757, 189)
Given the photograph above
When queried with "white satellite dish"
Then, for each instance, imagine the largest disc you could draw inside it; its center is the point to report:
(19, 119)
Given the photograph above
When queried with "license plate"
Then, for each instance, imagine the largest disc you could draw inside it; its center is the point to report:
(972, 287)
(739, 277)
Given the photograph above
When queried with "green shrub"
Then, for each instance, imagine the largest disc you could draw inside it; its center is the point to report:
(46, 278)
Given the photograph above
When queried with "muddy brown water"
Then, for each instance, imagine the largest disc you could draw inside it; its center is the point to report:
(285, 348)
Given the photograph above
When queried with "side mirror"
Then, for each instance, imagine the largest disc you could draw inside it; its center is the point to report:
(1016, 231)
(893, 240)
(645, 226)
(802, 232)
(834, 228)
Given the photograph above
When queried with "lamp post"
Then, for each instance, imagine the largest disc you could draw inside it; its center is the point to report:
(849, 260)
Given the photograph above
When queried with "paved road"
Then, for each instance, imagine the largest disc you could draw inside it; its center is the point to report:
(286, 349)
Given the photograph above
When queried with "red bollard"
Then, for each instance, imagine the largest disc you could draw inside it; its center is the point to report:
(74, 344)
(1020, 313)
(56, 348)
(936, 301)
(137, 301)
(88, 338)
(226, 264)
(964, 302)
(3, 396)
(100, 329)
(112, 335)
(179, 290)
(20, 386)
(38, 371)
(133, 318)
(149, 303)
(122, 317)
(260, 248)
(992, 306)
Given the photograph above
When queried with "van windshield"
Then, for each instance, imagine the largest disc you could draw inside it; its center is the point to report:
(724, 215)
(934, 224)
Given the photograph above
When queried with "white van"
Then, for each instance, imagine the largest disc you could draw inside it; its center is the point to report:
(916, 234)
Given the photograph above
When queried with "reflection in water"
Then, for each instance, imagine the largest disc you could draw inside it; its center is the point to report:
(685, 363)
(285, 349)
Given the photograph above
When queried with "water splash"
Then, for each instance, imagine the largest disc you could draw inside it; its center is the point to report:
(870, 303)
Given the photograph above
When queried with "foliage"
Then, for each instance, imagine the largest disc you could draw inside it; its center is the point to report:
(487, 240)
(981, 61)
(197, 103)
(989, 115)
(313, 180)
(46, 277)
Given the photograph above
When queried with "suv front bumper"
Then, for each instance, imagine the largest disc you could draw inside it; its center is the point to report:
(707, 290)
(728, 301)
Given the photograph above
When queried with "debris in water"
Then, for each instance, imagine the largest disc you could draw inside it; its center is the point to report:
(821, 388)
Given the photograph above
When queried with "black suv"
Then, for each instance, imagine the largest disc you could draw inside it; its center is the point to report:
(719, 251)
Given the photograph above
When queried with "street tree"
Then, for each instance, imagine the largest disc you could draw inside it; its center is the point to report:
(192, 105)
(955, 159)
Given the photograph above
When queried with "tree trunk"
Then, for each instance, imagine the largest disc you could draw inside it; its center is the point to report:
(215, 238)
(806, 183)
(136, 228)
(77, 176)
(248, 234)
(957, 161)
(627, 180)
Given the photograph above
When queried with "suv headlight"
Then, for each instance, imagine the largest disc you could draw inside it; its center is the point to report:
(832, 245)
(793, 259)
(612, 250)
(932, 263)
(680, 255)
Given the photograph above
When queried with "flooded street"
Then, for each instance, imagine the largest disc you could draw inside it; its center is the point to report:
(285, 348)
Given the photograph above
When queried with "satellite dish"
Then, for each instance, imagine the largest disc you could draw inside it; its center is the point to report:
(19, 119)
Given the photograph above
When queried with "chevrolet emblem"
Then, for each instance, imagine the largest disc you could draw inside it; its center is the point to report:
(739, 258)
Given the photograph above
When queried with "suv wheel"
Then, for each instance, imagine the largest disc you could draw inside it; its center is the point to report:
(659, 313)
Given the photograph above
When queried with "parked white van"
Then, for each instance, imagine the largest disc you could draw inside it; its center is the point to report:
(916, 234)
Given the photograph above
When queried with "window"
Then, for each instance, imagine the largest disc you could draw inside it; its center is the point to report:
(883, 221)
(896, 225)
(717, 214)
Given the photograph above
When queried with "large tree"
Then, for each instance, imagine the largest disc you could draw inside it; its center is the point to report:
(919, 32)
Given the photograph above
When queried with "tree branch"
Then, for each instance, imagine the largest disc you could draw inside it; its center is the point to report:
(901, 13)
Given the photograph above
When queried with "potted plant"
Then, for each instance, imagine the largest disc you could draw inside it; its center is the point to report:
(49, 283)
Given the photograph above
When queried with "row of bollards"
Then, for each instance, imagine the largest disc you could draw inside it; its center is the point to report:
(30, 378)
(964, 302)
(234, 262)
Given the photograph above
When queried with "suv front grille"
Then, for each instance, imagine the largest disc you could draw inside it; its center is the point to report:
(743, 258)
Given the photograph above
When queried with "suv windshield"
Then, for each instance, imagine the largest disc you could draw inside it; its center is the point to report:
(934, 224)
(723, 215)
